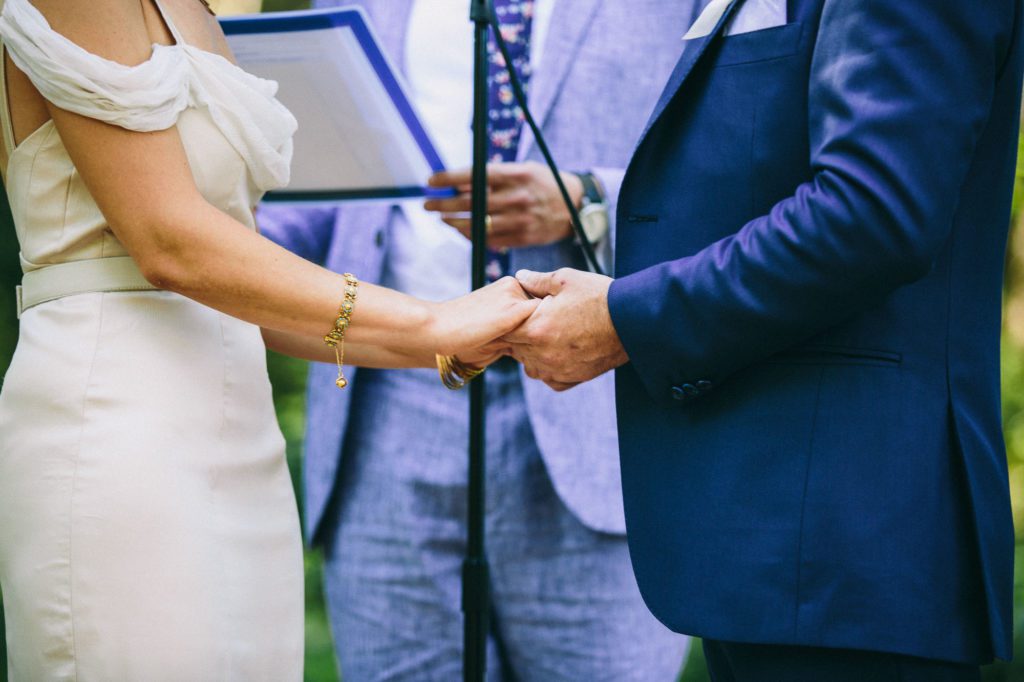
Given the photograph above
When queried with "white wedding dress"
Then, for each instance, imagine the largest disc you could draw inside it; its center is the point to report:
(148, 527)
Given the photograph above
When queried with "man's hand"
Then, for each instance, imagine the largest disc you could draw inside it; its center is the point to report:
(570, 338)
(523, 201)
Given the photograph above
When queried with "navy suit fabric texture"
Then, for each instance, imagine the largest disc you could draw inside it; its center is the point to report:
(728, 662)
(810, 250)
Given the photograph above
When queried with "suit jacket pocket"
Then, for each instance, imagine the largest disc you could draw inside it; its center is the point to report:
(837, 355)
(759, 46)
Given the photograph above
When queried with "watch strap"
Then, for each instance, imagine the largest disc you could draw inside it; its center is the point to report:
(592, 192)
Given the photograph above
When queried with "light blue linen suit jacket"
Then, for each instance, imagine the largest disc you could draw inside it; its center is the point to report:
(605, 63)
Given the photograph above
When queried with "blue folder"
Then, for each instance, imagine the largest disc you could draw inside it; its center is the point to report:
(353, 19)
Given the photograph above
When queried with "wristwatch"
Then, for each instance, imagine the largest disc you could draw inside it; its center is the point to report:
(593, 208)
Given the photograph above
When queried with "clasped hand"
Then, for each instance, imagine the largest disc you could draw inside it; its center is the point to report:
(556, 324)
(569, 338)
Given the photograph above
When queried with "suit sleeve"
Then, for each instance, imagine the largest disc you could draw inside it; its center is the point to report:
(306, 232)
(899, 94)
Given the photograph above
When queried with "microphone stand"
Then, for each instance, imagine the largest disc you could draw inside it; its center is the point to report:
(476, 599)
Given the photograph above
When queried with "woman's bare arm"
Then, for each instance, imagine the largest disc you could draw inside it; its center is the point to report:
(313, 349)
(144, 186)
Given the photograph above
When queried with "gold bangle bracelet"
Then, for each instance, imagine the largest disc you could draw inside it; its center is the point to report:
(336, 337)
(454, 373)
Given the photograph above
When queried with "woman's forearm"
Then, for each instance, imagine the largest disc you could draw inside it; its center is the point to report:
(211, 258)
(356, 354)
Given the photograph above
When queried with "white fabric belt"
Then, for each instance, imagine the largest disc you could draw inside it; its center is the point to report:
(80, 277)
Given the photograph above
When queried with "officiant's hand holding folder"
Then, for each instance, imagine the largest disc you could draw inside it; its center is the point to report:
(359, 135)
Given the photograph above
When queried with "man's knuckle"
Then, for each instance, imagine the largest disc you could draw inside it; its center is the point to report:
(519, 199)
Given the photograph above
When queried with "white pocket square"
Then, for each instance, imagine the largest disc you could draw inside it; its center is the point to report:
(757, 15)
(752, 15)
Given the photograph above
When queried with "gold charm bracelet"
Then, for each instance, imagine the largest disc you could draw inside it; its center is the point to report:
(336, 337)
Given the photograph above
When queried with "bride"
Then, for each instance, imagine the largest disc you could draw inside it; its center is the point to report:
(148, 529)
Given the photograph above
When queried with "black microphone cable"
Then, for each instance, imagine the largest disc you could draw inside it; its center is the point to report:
(520, 95)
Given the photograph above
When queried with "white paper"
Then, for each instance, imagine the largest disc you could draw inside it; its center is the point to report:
(351, 134)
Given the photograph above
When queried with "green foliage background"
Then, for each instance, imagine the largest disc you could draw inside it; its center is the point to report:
(288, 377)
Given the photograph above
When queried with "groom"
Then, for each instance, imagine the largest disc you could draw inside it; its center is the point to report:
(806, 329)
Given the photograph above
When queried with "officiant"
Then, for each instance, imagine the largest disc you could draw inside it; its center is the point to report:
(385, 463)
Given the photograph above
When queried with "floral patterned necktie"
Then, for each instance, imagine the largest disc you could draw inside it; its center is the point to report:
(506, 117)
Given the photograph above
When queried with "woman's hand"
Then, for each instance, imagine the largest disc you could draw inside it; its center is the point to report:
(469, 326)
(485, 356)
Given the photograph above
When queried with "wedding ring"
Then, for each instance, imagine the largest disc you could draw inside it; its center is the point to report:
(489, 223)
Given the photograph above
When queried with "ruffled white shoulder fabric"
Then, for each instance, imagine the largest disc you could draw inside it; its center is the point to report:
(151, 95)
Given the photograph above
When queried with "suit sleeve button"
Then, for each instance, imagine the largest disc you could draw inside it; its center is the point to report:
(704, 386)
(678, 393)
(691, 390)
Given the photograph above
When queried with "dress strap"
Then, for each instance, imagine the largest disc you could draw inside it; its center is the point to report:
(6, 124)
(169, 23)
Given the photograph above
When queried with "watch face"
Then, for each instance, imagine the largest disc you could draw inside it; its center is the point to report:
(595, 222)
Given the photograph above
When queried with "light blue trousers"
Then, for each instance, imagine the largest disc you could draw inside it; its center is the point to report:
(566, 605)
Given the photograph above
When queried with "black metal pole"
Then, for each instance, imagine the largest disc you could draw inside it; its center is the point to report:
(476, 601)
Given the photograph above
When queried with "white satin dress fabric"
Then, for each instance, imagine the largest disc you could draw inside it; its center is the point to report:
(148, 525)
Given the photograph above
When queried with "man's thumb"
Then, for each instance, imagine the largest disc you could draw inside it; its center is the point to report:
(537, 284)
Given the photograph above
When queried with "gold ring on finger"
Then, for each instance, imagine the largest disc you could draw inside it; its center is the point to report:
(489, 223)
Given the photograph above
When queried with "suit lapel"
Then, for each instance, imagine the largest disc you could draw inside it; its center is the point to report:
(692, 53)
(570, 22)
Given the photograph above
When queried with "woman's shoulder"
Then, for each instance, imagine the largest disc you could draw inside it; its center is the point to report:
(96, 58)
(119, 31)
(114, 30)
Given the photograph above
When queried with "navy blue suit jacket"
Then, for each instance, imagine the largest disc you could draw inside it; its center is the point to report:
(810, 250)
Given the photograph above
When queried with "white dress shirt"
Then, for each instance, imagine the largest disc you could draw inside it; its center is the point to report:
(427, 258)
